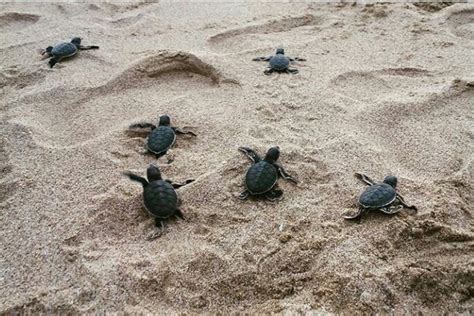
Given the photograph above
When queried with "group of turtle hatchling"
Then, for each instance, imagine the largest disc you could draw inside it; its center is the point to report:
(278, 63)
(160, 196)
(162, 201)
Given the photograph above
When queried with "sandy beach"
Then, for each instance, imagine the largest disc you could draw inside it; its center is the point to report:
(386, 89)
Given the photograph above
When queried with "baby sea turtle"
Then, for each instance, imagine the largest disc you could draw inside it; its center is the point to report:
(380, 196)
(63, 50)
(279, 62)
(163, 137)
(262, 176)
(159, 196)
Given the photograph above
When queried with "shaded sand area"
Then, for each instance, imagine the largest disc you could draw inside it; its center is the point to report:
(386, 89)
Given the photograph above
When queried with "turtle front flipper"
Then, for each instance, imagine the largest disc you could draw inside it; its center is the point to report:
(354, 215)
(364, 178)
(402, 202)
(297, 59)
(179, 185)
(262, 58)
(136, 178)
(181, 131)
(142, 125)
(292, 71)
(88, 47)
(274, 194)
(250, 153)
(285, 174)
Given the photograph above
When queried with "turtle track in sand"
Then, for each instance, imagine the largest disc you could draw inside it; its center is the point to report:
(14, 20)
(281, 25)
(391, 83)
(461, 21)
(422, 124)
(65, 123)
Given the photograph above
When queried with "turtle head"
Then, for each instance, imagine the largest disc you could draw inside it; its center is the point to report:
(272, 154)
(76, 41)
(391, 180)
(49, 49)
(280, 51)
(165, 120)
(153, 173)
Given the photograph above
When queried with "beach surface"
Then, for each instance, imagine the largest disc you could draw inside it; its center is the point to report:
(386, 89)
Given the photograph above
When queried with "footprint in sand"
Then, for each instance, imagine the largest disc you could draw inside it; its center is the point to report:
(11, 21)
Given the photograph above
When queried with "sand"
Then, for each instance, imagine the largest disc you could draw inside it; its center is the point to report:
(386, 89)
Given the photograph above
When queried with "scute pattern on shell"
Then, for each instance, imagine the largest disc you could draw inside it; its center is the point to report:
(160, 199)
(64, 49)
(378, 195)
(279, 62)
(261, 177)
(161, 139)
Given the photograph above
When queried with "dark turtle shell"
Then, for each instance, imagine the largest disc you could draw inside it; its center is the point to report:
(160, 198)
(261, 178)
(64, 50)
(377, 196)
(161, 139)
(279, 62)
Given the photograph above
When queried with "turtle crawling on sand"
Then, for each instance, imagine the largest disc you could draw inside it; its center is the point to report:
(379, 196)
(64, 50)
(261, 178)
(162, 137)
(279, 62)
(159, 196)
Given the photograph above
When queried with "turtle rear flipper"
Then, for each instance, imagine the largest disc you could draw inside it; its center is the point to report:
(274, 195)
(53, 61)
(244, 195)
(269, 71)
(392, 209)
(292, 71)
(179, 214)
(158, 231)
(353, 215)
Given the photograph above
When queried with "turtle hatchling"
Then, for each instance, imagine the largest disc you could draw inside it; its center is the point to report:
(280, 62)
(159, 196)
(379, 196)
(64, 50)
(162, 137)
(261, 178)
